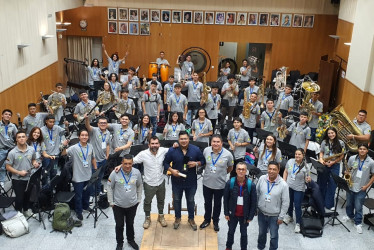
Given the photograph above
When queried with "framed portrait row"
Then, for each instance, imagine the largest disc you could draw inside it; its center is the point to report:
(129, 28)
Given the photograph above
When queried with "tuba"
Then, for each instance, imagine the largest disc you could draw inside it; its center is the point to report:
(246, 106)
(56, 101)
(281, 78)
(341, 122)
(309, 87)
(206, 89)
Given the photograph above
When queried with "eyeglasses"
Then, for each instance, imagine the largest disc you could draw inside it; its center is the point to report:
(241, 169)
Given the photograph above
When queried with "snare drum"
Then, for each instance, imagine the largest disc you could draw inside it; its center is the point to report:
(152, 69)
(164, 72)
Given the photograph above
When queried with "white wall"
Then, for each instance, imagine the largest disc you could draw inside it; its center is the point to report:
(26, 21)
(347, 10)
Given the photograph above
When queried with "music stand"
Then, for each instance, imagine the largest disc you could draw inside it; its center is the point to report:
(168, 143)
(93, 182)
(98, 85)
(287, 149)
(135, 149)
(261, 135)
(341, 184)
(321, 169)
(201, 145)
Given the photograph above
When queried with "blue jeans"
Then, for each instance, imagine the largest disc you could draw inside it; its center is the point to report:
(82, 197)
(190, 116)
(327, 184)
(313, 134)
(3, 153)
(266, 223)
(154, 125)
(355, 201)
(232, 223)
(296, 197)
(210, 195)
(49, 169)
(190, 200)
(100, 177)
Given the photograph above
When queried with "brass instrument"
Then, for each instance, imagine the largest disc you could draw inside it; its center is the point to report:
(261, 93)
(105, 97)
(121, 108)
(206, 90)
(49, 110)
(88, 109)
(246, 106)
(309, 87)
(341, 122)
(281, 78)
(144, 84)
(333, 156)
(348, 173)
(230, 93)
(282, 130)
(56, 101)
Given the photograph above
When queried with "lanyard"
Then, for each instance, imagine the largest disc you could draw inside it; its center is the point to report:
(360, 165)
(251, 90)
(94, 71)
(270, 116)
(84, 155)
(236, 136)
(143, 132)
(195, 85)
(122, 132)
(266, 154)
(215, 161)
(241, 190)
(6, 130)
(295, 168)
(103, 137)
(177, 99)
(284, 96)
(174, 127)
(50, 132)
(84, 105)
(214, 98)
(201, 125)
(113, 87)
(171, 88)
(127, 181)
(35, 144)
(114, 64)
(269, 189)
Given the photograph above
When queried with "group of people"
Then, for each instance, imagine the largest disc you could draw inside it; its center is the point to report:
(41, 140)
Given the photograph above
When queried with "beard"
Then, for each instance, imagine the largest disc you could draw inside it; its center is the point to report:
(154, 149)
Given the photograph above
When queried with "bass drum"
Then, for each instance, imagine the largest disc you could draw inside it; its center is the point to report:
(164, 72)
(152, 69)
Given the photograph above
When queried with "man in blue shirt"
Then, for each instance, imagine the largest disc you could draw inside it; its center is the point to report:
(185, 159)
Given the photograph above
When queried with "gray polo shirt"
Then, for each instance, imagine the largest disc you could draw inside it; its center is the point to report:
(226, 71)
(252, 120)
(249, 90)
(82, 161)
(159, 85)
(82, 108)
(113, 66)
(202, 128)
(30, 122)
(326, 148)
(215, 175)
(246, 76)
(267, 117)
(240, 136)
(172, 131)
(366, 169)
(21, 161)
(99, 141)
(142, 135)
(151, 103)
(169, 89)
(7, 133)
(121, 137)
(296, 178)
(60, 111)
(121, 195)
(39, 148)
(116, 88)
(52, 139)
(286, 101)
(364, 127)
(177, 103)
(160, 61)
(187, 68)
(232, 101)
(263, 160)
(133, 82)
(130, 105)
(93, 74)
(211, 106)
(313, 123)
(299, 134)
(194, 91)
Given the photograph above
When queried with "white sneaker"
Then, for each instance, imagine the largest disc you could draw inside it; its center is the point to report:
(2, 184)
(297, 228)
(287, 219)
(28, 214)
(359, 228)
(91, 199)
(346, 219)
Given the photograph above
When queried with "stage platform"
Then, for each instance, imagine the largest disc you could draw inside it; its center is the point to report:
(160, 238)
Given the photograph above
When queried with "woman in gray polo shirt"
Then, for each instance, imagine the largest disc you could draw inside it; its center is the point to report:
(201, 127)
(173, 127)
(143, 131)
(267, 153)
(296, 174)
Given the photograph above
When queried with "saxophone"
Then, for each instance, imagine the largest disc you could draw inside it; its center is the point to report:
(348, 173)
(206, 89)
(246, 106)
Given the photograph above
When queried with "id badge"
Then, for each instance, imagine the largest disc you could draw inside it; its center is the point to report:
(240, 201)
(120, 138)
(85, 164)
(213, 168)
(127, 188)
(267, 197)
(359, 174)
(174, 134)
(103, 145)
(293, 177)
(52, 143)
(7, 137)
(37, 154)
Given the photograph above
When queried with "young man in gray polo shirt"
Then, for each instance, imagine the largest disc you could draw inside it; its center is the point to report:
(20, 161)
(213, 105)
(124, 195)
(151, 105)
(177, 102)
(85, 106)
(122, 135)
(365, 128)
(159, 85)
(268, 121)
(300, 132)
(83, 162)
(362, 167)
(33, 119)
(230, 93)
(195, 89)
(285, 101)
(254, 117)
(187, 68)
(58, 96)
(318, 109)
(219, 162)
(162, 60)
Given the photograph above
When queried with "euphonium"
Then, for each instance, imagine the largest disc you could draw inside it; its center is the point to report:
(246, 106)
(105, 97)
(309, 87)
(121, 108)
(56, 101)
(206, 89)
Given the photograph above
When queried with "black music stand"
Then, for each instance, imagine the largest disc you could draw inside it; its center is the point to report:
(201, 145)
(287, 149)
(92, 183)
(321, 169)
(341, 184)
(261, 135)
(34, 184)
(135, 149)
(98, 85)
(168, 143)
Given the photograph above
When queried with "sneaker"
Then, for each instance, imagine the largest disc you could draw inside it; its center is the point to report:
(287, 219)
(80, 216)
(133, 245)
(28, 214)
(346, 219)
(147, 222)
(162, 221)
(359, 228)
(204, 224)
(177, 222)
(2, 184)
(91, 199)
(192, 224)
(297, 228)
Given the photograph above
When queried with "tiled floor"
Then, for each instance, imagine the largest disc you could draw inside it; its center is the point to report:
(103, 236)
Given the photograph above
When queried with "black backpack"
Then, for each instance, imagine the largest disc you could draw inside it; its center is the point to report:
(312, 225)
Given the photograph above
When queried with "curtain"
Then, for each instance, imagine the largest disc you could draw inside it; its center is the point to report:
(80, 48)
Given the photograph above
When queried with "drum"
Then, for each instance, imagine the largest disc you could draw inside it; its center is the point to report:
(164, 72)
(152, 69)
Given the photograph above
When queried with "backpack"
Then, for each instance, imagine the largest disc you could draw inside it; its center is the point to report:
(62, 219)
(311, 226)
(15, 226)
(249, 184)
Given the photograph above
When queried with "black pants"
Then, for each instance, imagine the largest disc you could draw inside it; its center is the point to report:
(250, 133)
(210, 194)
(214, 121)
(120, 215)
(232, 223)
(22, 197)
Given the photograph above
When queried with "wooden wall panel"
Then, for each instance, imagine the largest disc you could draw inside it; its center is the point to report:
(344, 31)
(297, 48)
(352, 99)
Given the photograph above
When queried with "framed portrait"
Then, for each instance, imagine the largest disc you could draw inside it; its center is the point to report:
(308, 21)
(286, 20)
(220, 17)
(123, 28)
(274, 19)
(198, 17)
(187, 16)
(231, 18)
(177, 16)
(209, 17)
(112, 13)
(112, 27)
(241, 18)
(134, 28)
(252, 18)
(264, 19)
(297, 20)
(144, 29)
(165, 16)
(123, 14)
(144, 15)
(134, 15)
(155, 16)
